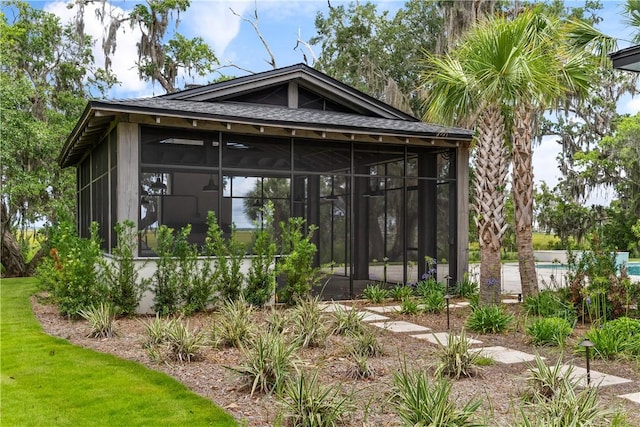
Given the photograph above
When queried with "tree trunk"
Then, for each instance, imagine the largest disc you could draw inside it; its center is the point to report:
(12, 259)
(523, 197)
(491, 164)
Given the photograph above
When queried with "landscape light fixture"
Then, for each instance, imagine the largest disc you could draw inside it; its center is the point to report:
(447, 297)
(587, 346)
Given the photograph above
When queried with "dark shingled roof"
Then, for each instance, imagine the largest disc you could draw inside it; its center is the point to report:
(273, 115)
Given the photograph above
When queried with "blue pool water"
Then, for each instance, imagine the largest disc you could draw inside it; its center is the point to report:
(633, 268)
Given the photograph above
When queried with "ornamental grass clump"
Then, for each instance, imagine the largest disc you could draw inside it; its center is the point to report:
(183, 344)
(347, 321)
(489, 319)
(409, 306)
(456, 357)
(232, 326)
(101, 318)
(156, 331)
(269, 359)
(420, 403)
(308, 322)
(307, 403)
(365, 343)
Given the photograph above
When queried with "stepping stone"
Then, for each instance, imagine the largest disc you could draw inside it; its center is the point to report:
(442, 337)
(330, 307)
(400, 326)
(460, 304)
(597, 378)
(371, 317)
(634, 397)
(506, 355)
(385, 309)
(510, 301)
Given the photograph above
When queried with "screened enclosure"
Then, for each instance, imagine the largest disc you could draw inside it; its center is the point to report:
(377, 207)
(387, 192)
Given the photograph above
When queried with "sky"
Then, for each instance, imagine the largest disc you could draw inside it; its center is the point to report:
(281, 22)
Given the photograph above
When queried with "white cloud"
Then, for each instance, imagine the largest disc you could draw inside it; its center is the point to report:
(214, 22)
(632, 106)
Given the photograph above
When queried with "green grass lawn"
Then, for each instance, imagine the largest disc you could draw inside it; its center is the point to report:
(46, 381)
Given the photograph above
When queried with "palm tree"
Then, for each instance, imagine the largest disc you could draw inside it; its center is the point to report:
(480, 82)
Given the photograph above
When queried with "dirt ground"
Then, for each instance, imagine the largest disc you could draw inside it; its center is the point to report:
(498, 386)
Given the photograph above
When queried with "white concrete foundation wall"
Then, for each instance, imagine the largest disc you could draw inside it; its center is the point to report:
(146, 267)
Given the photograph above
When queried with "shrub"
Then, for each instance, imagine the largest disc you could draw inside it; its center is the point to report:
(309, 404)
(232, 325)
(347, 321)
(120, 275)
(277, 320)
(308, 324)
(297, 266)
(456, 357)
(549, 330)
(166, 282)
(229, 254)
(420, 403)
(489, 319)
(434, 302)
(69, 272)
(401, 292)
(183, 344)
(375, 293)
(269, 360)
(101, 319)
(261, 278)
(545, 382)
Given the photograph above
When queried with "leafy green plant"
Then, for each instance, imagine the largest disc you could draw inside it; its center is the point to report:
(608, 343)
(228, 259)
(101, 319)
(261, 278)
(549, 303)
(269, 359)
(418, 402)
(296, 265)
(489, 319)
(166, 281)
(307, 403)
(409, 306)
(120, 274)
(365, 343)
(401, 292)
(433, 302)
(232, 325)
(428, 286)
(183, 344)
(347, 321)
(69, 272)
(466, 287)
(549, 331)
(308, 323)
(375, 293)
(456, 357)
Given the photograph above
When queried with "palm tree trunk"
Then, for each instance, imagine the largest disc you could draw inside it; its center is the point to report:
(491, 163)
(523, 197)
